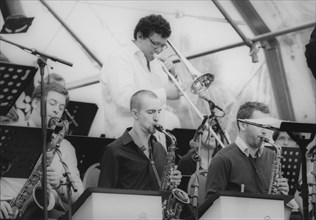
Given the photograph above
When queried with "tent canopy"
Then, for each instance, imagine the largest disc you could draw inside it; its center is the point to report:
(86, 32)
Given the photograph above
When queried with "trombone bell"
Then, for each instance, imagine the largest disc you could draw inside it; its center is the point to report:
(201, 83)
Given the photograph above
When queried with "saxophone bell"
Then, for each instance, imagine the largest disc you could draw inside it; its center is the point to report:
(39, 198)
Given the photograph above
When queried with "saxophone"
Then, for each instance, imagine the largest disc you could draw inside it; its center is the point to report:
(32, 189)
(172, 207)
(276, 173)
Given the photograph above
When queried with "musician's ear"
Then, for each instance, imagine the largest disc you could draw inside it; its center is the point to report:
(242, 126)
(134, 113)
(35, 102)
(140, 35)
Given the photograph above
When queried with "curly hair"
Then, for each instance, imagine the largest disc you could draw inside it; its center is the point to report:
(153, 24)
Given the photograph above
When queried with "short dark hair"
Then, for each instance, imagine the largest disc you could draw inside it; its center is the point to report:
(53, 86)
(153, 24)
(135, 102)
(246, 110)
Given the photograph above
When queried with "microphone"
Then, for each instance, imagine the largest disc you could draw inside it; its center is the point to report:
(194, 143)
(203, 96)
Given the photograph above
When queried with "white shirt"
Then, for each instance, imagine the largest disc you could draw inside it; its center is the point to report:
(124, 73)
(244, 148)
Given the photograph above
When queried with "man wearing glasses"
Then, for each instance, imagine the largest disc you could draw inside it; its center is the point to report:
(135, 67)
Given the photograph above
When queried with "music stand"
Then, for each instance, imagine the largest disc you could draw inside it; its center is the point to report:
(13, 80)
(183, 137)
(291, 164)
(89, 150)
(299, 129)
(81, 116)
(20, 148)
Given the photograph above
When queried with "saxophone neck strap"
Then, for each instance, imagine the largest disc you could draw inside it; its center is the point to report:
(260, 179)
(152, 162)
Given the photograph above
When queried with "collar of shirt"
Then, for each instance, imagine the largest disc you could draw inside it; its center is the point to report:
(137, 52)
(134, 49)
(126, 137)
(244, 148)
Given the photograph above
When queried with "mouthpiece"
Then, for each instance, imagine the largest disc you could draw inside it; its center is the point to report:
(264, 139)
(159, 127)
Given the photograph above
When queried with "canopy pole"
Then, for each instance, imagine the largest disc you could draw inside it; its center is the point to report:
(94, 57)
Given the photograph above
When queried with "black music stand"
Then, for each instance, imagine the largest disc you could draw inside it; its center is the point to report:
(183, 137)
(291, 164)
(297, 132)
(20, 148)
(89, 150)
(81, 116)
(13, 80)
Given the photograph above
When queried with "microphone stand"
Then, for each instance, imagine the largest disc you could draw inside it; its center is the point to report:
(313, 184)
(41, 61)
(196, 184)
(70, 184)
(218, 128)
(72, 119)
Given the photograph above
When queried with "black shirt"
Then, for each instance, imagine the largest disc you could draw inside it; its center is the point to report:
(125, 166)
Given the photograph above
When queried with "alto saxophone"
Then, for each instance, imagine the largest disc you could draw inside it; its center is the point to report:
(32, 187)
(276, 173)
(173, 206)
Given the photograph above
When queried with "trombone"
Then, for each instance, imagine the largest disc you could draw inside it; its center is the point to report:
(200, 83)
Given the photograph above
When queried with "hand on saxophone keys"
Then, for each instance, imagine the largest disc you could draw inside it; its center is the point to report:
(175, 177)
(54, 177)
(283, 186)
(5, 210)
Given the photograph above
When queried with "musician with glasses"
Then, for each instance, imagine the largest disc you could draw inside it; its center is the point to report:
(134, 67)
(57, 98)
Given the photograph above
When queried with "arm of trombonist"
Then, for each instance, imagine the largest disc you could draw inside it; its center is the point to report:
(172, 90)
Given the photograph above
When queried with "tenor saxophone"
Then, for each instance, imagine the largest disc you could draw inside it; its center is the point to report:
(172, 207)
(32, 187)
(276, 173)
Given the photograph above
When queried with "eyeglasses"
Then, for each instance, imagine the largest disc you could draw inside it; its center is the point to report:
(157, 44)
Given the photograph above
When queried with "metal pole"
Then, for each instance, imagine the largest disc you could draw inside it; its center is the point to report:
(71, 33)
(257, 38)
(246, 40)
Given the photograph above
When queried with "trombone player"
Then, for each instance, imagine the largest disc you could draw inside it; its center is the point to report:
(135, 67)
